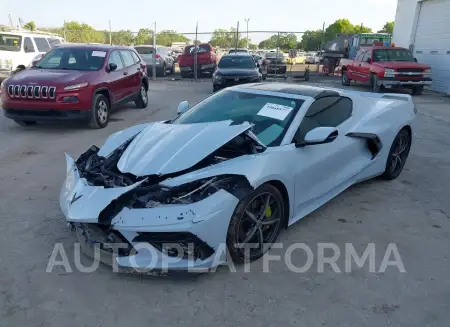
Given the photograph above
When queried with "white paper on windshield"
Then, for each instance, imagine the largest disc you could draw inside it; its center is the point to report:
(275, 111)
(99, 54)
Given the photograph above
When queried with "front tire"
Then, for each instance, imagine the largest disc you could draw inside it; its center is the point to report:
(417, 90)
(376, 88)
(100, 112)
(255, 224)
(398, 154)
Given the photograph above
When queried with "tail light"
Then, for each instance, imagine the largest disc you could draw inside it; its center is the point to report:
(157, 56)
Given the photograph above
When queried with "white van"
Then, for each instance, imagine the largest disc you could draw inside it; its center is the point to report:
(18, 48)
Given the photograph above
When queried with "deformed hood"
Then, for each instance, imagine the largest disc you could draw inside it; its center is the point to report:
(168, 148)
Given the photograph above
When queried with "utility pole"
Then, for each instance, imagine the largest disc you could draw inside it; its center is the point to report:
(10, 21)
(154, 53)
(237, 38)
(196, 53)
(247, 20)
(110, 34)
(64, 31)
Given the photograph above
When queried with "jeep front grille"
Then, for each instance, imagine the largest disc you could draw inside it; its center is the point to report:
(32, 92)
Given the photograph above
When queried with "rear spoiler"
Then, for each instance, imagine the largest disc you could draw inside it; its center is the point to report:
(391, 96)
(404, 97)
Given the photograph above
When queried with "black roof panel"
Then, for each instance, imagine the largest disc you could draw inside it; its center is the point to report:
(305, 90)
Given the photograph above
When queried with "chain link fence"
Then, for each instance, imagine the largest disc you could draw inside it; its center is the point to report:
(223, 40)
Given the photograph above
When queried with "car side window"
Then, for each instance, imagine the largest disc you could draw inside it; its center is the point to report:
(359, 56)
(127, 58)
(28, 45)
(324, 112)
(114, 58)
(42, 44)
(366, 56)
(135, 57)
(53, 42)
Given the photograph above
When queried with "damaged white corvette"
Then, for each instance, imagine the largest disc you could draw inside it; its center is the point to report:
(231, 171)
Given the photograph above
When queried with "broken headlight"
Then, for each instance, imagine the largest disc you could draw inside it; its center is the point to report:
(194, 191)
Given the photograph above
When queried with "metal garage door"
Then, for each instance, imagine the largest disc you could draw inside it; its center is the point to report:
(432, 41)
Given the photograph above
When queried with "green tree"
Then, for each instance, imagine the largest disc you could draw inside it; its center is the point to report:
(82, 33)
(343, 26)
(31, 25)
(387, 28)
(283, 41)
(311, 40)
(122, 37)
(224, 38)
(144, 36)
(167, 37)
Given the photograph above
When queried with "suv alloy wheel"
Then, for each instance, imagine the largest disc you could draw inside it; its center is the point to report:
(100, 112)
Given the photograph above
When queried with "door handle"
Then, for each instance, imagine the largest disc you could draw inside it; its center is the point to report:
(125, 73)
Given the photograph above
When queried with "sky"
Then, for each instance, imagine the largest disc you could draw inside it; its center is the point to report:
(182, 15)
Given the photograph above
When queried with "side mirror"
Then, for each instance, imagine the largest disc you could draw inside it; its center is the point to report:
(415, 59)
(258, 65)
(182, 107)
(319, 135)
(369, 60)
(112, 67)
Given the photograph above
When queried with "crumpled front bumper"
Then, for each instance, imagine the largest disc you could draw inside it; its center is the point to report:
(206, 220)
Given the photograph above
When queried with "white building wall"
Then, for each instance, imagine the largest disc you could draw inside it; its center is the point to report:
(404, 22)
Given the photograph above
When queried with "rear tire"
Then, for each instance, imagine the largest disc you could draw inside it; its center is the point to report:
(345, 80)
(25, 123)
(397, 155)
(162, 72)
(374, 83)
(417, 90)
(142, 100)
(100, 112)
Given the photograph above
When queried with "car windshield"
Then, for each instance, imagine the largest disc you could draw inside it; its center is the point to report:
(238, 51)
(201, 48)
(270, 115)
(244, 62)
(392, 55)
(274, 55)
(73, 59)
(9, 42)
(144, 50)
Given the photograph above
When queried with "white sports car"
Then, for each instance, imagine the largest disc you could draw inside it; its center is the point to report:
(231, 172)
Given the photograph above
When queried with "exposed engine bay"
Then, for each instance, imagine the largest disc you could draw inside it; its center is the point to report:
(103, 171)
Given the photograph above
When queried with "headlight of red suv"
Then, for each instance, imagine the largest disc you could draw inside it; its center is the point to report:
(75, 86)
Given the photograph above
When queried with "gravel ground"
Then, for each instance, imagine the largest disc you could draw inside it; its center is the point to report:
(412, 211)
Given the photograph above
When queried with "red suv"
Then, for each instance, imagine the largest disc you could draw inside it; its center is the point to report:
(76, 82)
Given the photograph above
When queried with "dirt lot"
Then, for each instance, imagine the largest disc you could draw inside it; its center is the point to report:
(413, 212)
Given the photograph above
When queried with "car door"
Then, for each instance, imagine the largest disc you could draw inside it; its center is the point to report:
(116, 79)
(354, 68)
(130, 72)
(365, 66)
(324, 170)
(29, 50)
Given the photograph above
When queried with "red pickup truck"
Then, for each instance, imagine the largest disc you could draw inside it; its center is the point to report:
(206, 60)
(386, 67)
